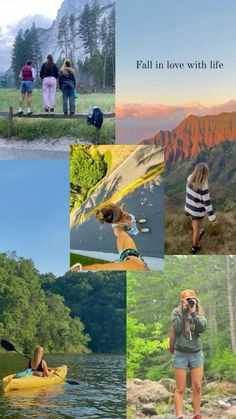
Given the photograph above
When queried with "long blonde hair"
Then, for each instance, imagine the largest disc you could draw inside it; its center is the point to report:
(199, 176)
(37, 355)
(66, 68)
(199, 312)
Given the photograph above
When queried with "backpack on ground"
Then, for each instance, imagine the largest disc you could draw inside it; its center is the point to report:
(171, 340)
(95, 117)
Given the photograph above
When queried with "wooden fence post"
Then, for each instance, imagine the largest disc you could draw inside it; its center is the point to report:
(9, 126)
(98, 135)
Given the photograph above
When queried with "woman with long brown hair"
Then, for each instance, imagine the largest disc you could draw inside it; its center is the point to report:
(38, 365)
(188, 323)
(198, 202)
(49, 75)
(67, 86)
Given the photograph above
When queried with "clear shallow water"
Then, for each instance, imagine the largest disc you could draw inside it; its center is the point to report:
(101, 393)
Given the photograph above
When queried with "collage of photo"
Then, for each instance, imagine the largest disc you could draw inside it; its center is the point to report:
(117, 155)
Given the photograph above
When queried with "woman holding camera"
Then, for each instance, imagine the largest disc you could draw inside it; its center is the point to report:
(188, 323)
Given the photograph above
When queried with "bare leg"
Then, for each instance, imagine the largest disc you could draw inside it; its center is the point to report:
(180, 378)
(29, 99)
(21, 99)
(196, 224)
(128, 265)
(123, 241)
(196, 378)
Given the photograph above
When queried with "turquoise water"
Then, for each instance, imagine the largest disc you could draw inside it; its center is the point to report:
(101, 393)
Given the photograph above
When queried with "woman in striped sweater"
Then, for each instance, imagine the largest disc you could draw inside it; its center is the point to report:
(198, 202)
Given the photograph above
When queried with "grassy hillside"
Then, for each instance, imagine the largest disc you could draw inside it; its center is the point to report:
(219, 239)
(222, 181)
(31, 129)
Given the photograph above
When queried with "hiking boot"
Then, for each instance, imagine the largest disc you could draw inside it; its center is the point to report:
(142, 221)
(144, 230)
(46, 110)
(195, 248)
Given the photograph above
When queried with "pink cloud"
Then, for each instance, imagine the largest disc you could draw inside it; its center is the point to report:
(148, 111)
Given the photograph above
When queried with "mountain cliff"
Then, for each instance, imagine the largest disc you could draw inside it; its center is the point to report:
(48, 38)
(195, 134)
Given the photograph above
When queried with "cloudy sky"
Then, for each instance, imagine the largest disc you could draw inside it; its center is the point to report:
(21, 13)
(178, 31)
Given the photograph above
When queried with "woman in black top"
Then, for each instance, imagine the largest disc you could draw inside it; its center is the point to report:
(67, 86)
(49, 75)
(38, 365)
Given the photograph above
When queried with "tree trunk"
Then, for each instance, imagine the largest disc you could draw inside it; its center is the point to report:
(231, 305)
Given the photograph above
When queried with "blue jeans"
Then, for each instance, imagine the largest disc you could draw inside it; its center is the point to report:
(185, 360)
(68, 95)
(26, 86)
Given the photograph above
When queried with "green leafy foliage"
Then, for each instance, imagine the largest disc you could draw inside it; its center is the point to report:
(99, 300)
(151, 299)
(30, 316)
(86, 170)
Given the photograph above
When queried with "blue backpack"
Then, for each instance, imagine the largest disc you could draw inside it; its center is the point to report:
(95, 117)
(23, 373)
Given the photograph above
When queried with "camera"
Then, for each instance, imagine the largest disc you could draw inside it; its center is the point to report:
(191, 302)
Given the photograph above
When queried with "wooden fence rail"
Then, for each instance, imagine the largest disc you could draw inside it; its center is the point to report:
(10, 116)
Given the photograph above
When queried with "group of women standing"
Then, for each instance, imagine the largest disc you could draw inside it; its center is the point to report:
(50, 76)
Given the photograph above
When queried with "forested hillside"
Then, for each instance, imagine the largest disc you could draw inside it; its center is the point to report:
(73, 313)
(99, 299)
(30, 316)
(151, 299)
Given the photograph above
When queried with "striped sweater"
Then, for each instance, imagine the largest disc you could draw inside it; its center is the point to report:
(198, 203)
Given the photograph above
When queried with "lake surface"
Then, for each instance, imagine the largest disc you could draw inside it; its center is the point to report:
(101, 393)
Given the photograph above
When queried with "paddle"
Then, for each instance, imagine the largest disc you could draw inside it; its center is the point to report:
(9, 347)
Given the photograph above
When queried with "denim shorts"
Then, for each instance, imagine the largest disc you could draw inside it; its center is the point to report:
(26, 86)
(185, 360)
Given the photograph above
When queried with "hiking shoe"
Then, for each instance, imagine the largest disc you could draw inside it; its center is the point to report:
(20, 112)
(202, 232)
(144, 230)
(51, 110)
(29, 113)
(142, 221)
(195, 248)
(46, 110)
(72, 113)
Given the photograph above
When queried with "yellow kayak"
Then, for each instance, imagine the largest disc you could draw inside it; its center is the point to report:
(31, 381)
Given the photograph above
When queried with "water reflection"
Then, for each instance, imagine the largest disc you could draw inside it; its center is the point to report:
(101, 393)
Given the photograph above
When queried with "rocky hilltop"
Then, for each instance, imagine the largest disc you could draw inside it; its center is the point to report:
(195, 134)
(48, 37)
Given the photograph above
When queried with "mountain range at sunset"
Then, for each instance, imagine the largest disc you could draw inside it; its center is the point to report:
(195, 134)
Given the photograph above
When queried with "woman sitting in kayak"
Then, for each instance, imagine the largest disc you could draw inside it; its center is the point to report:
(38, 365)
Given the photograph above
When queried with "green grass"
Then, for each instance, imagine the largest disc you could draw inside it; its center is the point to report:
(217, 240)
(84, 260)
(31, 129)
